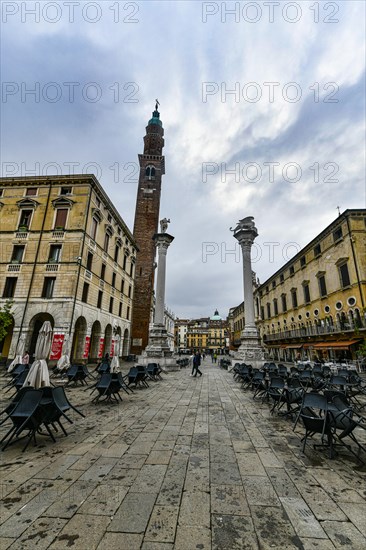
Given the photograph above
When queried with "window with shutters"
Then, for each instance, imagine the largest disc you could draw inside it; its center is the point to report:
(9, 288)
(48, 287)
(61, 217)
(344, 275)
(17, 255)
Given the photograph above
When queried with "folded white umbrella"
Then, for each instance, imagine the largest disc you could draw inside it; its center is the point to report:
(18, 354)
(38, 375)
(115, 367)
(64, 362)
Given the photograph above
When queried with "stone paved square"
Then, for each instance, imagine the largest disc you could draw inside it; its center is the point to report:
(184, 464)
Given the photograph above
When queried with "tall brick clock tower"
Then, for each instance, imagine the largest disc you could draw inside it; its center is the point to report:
(152, 168)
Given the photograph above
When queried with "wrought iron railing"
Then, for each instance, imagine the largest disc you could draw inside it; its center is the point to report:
(314, 331)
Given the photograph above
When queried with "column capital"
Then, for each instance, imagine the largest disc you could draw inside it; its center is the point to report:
(163, 240)
(245, 231)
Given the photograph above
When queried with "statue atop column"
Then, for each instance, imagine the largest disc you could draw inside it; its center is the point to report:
(244, 224)
(164, 225)
(250, 349)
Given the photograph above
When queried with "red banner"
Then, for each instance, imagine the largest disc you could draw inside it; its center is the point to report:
(112, 348)
(56, 348)
(101, 348)
(86, 347)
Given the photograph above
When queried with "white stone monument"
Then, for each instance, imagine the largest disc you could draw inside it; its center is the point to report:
(158, 350)
(250, 350)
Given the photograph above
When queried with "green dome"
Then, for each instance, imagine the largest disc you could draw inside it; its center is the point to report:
(155, 119)
(216, 316)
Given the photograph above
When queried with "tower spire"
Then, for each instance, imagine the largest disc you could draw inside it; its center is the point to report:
(152, 168)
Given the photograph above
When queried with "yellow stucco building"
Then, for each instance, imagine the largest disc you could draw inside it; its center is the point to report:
(68, 257)
(315, 305)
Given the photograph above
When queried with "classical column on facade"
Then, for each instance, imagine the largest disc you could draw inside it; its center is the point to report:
(158, 349)
(250, 350)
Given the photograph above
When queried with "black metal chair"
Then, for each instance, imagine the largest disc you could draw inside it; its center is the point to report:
(317, 369)
(345, 419)
(306, 378)
(282, 370)
(272, 369)
(142, 375)
(102, 386)
(150, 370)
(75, 374)
(153, 371)
(62, 403)
(17, 397)
(344, 372)
(293, 395)
(24, 417)
(103, 367)
(50, 414)
(18, 369)
(258, 383)
(245, 375)
(315, 418)
(275, 391)
(327, 371)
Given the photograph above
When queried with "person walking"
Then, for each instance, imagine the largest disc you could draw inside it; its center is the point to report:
(191, 362)
(215, 358)
(25, 358)
(196, 364)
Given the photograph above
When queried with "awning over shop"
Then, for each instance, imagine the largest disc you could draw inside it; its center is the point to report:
(294, 346)
(334, 345)
(274, 346)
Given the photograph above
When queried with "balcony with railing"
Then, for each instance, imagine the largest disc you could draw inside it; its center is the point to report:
(58, 234)
(14, 268)
(22, 233)
(315, 330)
(52, 267)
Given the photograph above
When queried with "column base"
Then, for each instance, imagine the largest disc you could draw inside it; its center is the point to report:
(158, 350)
(250, 350)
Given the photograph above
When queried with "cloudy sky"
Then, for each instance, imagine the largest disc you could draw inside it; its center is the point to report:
(262, 105)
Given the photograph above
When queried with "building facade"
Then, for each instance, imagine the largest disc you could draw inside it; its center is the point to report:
(236, 323)
(314, 306)
(169, 322)
(180, 331)
(152, 168)
(208, 334)
(68, 257)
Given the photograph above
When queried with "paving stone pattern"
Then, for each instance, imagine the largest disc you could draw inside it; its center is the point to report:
(186, 464)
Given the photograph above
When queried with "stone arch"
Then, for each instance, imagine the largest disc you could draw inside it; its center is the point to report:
(5, 343)
(126, 343)
(107, 339)
(96, 333)
(34, 328)
(344, 320)
(358, 320)
(78, 341)
(351, 318)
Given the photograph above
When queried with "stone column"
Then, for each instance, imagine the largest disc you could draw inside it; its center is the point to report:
(162, 241)
(250, 350)
(158, 350)
(246, 242)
